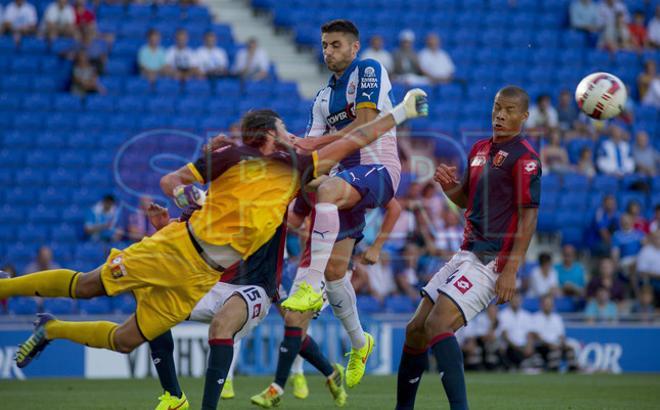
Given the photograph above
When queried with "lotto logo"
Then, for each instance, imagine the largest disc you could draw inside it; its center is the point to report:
(463, 284)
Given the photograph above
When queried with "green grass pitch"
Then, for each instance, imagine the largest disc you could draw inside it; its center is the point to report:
(485, 391)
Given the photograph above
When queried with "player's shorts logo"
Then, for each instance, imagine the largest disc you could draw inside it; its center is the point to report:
(463, 284)
(117, 268)
(256, 310)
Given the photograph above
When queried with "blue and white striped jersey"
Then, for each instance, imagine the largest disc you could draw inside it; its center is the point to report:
(364, 84)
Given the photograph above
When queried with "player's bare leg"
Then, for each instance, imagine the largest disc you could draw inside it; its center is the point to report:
(225, 324)
(414, 358)
(443, 320)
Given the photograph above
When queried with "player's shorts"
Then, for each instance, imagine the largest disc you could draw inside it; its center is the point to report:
(374, 184)
(258, 304)
(166, 274)
(466, 281)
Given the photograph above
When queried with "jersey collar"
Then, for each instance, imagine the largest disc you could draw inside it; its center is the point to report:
(503, 144)
(334, 81)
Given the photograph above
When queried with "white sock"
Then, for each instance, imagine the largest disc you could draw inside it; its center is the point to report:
(341, 296)
(237, 352)
(297, 366)
(324, 234)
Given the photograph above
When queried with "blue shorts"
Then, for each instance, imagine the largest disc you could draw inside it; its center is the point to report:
(374, 184)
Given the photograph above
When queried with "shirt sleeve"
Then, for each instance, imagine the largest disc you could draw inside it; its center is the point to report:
(316, 125)
(209, 167)
(302, 205)
(370, 82)
(527, 178)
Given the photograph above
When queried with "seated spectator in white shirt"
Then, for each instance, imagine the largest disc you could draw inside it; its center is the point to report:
(584, 16)
(481, 341)
(435, 63)
(617, 36)
(515, 327)
(615, 155)
(377, 52)
(652, 97)
(648, 266)
(182, 59)
(608, 10)
(19, 19)
(542, 116)
(59, 20)
(543, 280)
(653, 29)
(212, 60)
(252, 63)
(43, 261)
(647, 159)
(381, 277)
(406, 62)
(550, 336)
(448, 238)
(554, 156)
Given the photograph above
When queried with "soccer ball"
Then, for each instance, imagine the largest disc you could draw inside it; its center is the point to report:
(601, 95)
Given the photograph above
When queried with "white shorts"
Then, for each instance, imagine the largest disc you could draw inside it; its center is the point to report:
(466, 281)
(257, 300)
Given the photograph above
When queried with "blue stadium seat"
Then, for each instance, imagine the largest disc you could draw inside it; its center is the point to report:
(66, 233)
(198, 88)
(531, 304)
(67, 102)
(573, 201)
(7, 233)
(634, 182)
(23, 305)
(625, 198)
(564, 304)
(575, 183)
(137, 86)
(41, 159)
(50, 140)
(124, 303)
(399, 304)
(96, 306)
(163, 105)
(57, 195)
(37, 102)
(31, 233)
(368, 304)
(59, 306)
(572, 236)
(73, 215)
(167, 87)
(43, 214)
(131, 104)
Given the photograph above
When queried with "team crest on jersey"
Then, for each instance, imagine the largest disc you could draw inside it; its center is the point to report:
(369, 72)
(478, 161)
(499, 158)
(463, 284)
(530, 167)
(117, 268)
(351, 88)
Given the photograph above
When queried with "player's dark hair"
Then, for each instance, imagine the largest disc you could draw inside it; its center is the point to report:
(255, 124)
(513, 91)
(341, 26)
(109, 198)
(544, 258)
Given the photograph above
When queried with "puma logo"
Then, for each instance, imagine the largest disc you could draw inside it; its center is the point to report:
(354, 177)
(368, 95)
(321, 233)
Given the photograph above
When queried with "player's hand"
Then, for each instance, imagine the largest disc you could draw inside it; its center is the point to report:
(370, 257)
(446, 176)
(414, 105)
(187, 195)
(306, 145)
(158, 216)
(505, 287)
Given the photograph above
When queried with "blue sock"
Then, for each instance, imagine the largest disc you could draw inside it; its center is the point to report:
(310, 351)
(220, 356)
(449, 356)
(289, 349)
(413, 363)
(162, 354)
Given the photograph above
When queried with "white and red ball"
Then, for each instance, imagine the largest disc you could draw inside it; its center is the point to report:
(601, 95)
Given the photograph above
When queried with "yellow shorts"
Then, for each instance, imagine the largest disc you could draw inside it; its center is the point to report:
(166, 275)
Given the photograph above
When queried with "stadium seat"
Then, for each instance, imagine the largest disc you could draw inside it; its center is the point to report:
(96, 306)
(605, 183)
(399, 304)
(59, 306)
(368, 304)
(23, 305)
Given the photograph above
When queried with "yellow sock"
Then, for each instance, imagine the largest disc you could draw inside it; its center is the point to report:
(48, 283)
(93, 334)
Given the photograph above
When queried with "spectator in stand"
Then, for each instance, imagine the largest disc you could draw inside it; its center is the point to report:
(585, 165)
(645, 78)
(85, 78)
(550, 336)
(101, 221)
(615, 155)
(434, 205)
(638, 31)
(181, 59)
(655, 223)
(644, 307)
(544, 279)
(554, 157)
(252, 62)
(59, 20)
(601, 309)
(515, 327)
(138, 225)
(151, 57)
(571, 274)
(406, 62)
(567, 111)
(406, 280)
(19, 19)
(43, 261)
(617, 36)
(435, 63)
(606, 278)
(608, 10)
(85, 16)
(212, 60)
(406, 224)
(647, 159)
(652, 96)
(626, 244)
(377, 52)
(606, 221)
(654, 29)
(94, 46)
(381, 278)
(648, 266)
(481, 343)
(584, 16)
(448, 239)
(634, 209)
(542, 116)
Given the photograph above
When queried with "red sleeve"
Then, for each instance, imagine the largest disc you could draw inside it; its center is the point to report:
(527, 177)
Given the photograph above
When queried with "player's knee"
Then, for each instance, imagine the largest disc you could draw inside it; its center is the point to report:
(295, 319)
(434, 325)
(330, 191)
(415, 329)
(89, 285)
(124, 345)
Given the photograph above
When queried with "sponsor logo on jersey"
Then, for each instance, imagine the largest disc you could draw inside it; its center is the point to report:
(499, 158)
(530, 167)
(368, 95)
(478, 161)
(463, 284)
(347, 113)
(117, 268)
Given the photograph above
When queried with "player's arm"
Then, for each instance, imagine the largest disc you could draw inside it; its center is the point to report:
(455, 190)
(363, 116)
(392, 212)
(414, 105)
